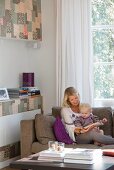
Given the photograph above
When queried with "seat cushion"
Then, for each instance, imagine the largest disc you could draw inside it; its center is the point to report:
(43, 128)
(60, 132)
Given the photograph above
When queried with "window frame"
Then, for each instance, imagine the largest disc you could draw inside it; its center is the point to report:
(99, 101)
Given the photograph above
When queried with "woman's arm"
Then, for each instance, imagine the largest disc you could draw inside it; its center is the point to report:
(66, 116)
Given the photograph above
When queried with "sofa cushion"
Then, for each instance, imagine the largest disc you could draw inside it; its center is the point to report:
(60, 132)
(106, 112)
(43, 128)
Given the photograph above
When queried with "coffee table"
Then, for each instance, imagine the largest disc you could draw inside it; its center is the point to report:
(31, 162)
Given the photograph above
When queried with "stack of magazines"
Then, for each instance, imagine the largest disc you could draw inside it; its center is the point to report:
(83, 156)
(51, 156)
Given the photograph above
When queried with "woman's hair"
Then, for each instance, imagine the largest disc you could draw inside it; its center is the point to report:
(70, 91)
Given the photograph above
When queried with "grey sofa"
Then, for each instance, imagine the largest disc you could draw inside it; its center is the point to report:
(36, 133)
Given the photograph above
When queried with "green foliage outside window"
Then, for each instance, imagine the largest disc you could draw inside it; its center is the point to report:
(102, 12)
(103, 48)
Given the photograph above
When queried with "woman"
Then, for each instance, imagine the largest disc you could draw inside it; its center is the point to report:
(70, 112)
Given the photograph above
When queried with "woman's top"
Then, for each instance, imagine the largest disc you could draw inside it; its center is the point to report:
(68, 118)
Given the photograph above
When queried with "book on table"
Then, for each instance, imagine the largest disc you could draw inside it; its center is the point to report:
(78, 161)
(108, 152)
(51, 156)
(79, 155)
(83, 156)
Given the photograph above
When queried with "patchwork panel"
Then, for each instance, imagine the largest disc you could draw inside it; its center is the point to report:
(18, 14)
(19, 105)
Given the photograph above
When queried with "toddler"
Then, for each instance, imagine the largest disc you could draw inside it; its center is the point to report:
(88, 120)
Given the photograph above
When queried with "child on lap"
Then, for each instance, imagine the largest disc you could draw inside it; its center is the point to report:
(88, 120)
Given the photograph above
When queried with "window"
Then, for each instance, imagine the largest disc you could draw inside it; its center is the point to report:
(102, 27)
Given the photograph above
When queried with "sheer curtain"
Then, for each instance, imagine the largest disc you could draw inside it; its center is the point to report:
(72, 48)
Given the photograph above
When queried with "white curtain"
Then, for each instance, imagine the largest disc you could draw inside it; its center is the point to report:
(72, 48)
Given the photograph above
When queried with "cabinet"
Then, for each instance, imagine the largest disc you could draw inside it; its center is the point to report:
(10, 125)
(19, 105)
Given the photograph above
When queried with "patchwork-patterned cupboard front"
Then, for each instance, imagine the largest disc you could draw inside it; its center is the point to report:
(20, 19)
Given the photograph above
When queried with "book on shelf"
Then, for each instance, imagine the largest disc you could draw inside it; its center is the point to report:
(23, 92)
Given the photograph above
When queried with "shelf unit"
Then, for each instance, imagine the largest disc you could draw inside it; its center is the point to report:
(19, 105)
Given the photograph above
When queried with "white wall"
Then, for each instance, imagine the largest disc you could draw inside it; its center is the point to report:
(44, 58)
(16, 57)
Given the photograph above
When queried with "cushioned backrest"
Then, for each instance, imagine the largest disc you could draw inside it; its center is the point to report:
(43, 128)
(56, 111)
(106, 112)
(101, 112)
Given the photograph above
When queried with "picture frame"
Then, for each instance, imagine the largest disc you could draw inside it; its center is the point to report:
(4, 94)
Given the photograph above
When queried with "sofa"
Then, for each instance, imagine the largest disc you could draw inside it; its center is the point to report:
(35, 133)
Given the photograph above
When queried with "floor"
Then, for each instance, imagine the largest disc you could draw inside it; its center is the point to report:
(8, 168)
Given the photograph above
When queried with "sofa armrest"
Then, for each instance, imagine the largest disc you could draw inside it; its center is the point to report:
(27, 136)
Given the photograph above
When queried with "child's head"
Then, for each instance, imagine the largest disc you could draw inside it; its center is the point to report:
(85, 109)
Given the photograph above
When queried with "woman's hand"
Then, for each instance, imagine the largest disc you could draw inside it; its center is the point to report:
(85, 130)
(77, 130)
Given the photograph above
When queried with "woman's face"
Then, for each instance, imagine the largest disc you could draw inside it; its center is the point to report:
(74, 100)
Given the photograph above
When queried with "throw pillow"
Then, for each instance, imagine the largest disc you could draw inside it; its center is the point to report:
(60, 132)
(44, 129)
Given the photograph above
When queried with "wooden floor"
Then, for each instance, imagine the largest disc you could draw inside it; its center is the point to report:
(8, 168)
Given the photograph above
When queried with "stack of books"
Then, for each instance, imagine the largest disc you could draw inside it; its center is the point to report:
(17, 92)
(83, 156)
(32, 91)
(51, 156)
(23, 92)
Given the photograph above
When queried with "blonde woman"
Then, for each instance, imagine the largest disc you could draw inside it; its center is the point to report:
(70, 112)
